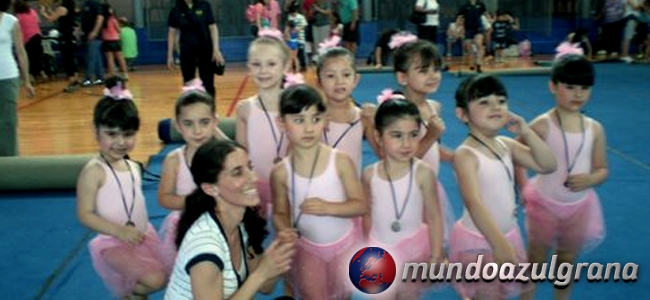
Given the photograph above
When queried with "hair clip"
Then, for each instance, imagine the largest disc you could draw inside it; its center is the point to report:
(194, 85)
(387, 94)
(566, 48)
(329, 43)
(118, 92)
(291, 79)
(270, 32)
(401, 38)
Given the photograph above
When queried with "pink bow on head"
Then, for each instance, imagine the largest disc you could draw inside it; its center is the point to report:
(270, 32)
(291, 79)
(118, 92)
(568, 48)
(194, 85)
(329, 43)
(399, 39)
(387, 94)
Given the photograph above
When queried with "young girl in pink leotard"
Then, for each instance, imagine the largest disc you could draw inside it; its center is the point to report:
(126, 253)
(316, 189)
(484, 166)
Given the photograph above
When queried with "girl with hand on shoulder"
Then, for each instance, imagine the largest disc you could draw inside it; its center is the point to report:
(484, 169)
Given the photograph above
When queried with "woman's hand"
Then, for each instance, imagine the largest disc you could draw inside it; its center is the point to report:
(277, 258)
(170, 62)
(218, 57)
(29, 89)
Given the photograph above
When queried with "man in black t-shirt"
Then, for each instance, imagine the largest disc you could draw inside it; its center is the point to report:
(199, 41)
(92, 20)
(473, 11)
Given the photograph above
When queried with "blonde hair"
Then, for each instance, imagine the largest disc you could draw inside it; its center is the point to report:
(270, 41)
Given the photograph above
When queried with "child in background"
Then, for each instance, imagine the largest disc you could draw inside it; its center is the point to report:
(418, 70)
(347, 124)
(300, 23)
(316, 190)
(197, 123)
(455, 33)
(382, 53)
(293, 42)
(400, 190)
(126, 251)
(129, 41)
(563, 212)
(111, 42)
(483, 165)
(503, 27)
(256, 129)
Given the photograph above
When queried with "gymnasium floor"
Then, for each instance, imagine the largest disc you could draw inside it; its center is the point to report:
(44, 247)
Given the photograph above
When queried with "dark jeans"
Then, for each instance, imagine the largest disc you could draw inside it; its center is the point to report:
(94, 60)
(611, 36)
(68, 49)
(429, 33)
(34, 49)
(201, 58)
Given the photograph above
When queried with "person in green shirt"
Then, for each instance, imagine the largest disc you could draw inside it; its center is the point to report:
(129, 41)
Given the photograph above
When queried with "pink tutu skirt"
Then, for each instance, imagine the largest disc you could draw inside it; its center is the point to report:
(466, 246)
(416, 247)
(168, 232)
(320, 271)
(121, 266)
(572, 227)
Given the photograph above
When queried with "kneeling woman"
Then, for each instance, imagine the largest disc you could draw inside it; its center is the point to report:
(220, 235)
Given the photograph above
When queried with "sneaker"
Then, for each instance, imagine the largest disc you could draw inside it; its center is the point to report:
(87, 83)
(626, 59)
(98, 82)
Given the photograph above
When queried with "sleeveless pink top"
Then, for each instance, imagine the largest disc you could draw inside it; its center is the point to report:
(29, 24)
(496, 190)
(262, 146)
(327, 186)
(111, 32)
(109, 204)
(552, 185)
(383, 208)
(347, 137)
(184, 181)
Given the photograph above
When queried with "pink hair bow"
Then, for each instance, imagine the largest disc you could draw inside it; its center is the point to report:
(568, 48)
(329, 43)
(399, 39)
(194, 85)
(291, 79)
(270, 32)
(118, 92)
(387, 94)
